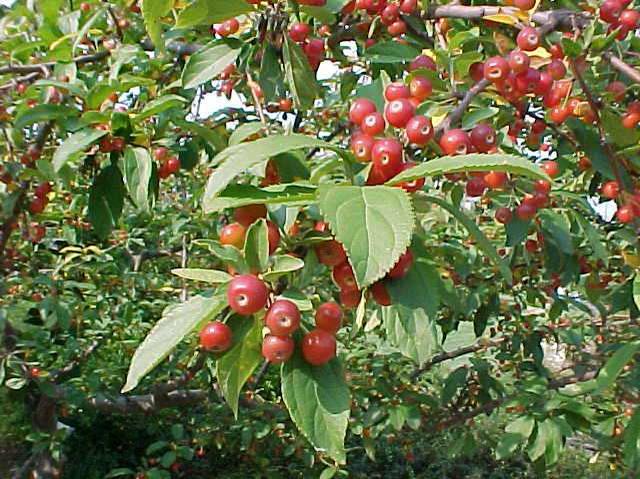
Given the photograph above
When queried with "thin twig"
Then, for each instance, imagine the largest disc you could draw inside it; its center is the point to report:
(456, 114)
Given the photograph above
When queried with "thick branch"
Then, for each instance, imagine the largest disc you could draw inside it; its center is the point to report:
(456, 114)
(39, 67)
(147, 403)
(627, 70)
(439, 358)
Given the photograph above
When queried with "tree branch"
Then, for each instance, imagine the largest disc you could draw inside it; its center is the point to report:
(456, 114)
(627, 70)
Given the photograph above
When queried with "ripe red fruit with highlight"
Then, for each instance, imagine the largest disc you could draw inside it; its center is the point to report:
(344, 277)
(283, 317)
(419, 130)
(387, 157)
(455, 142)
(360, 108)
(330, 253)
(247, 294)
(483, 137)
(528, 39)
(216, 337)
(399, 112)
(329, 317)
(277, 349)
(233, 234)
(318, 347)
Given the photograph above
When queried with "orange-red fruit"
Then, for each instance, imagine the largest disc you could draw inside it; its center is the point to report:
(551, 168)
(419, 130)
(344, 277)
(528, 39)
(318, 347)
(277, 349)
(360, 108)
(283, 317)
(504, 215)
(625, 214)
(247, 295)
(455, 142)
(216, 336)
(247, 215)
(273, 234)
(495, 179)
(610, 190)
(631, 120)
(329, 317)
(349, 298)
(233, 234)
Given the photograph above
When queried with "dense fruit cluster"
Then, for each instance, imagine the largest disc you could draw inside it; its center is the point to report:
(169, 164)
(234, 233)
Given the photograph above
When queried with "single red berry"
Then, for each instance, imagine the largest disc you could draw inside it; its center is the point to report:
(380, 294)
(455, 142)
(559, 114)
(408, 6)
(526, 211)
(399, 112)
(233, 234)
(318, 347)
(360, 108)
(475, 187)
(518, 61)
(551, 168)
(283, 317)
(397, 28)
(483, 137)
(419, 130)
(414, 185)
(390, 14)
(420, 87)
(329, 317)
(504, 215)
(610, 11)
(343, 276)
(556, 69)
(531, 245)
(610, 190)
(496, 69)
(173, 165)
(631, 120)
(528, 39)
(330, 253)
(37, 205)
(402, 266)
(422, 61)
(246, 294)
(527, 81)
(625, 214)
(476, 71)
(373, 124)
(247, 215)
(396, 91)
(216, 336)
(228, 27)
(299, 32)
(285, 104)
(542, 186)
(630, 19)
(361, 146)
(495, 179)
(617, 89)
(524, 4)
(43, 189)
(350, 298)
(544, 84)
(35, 372)
(277, 349)
(160, 153)
(387, 157)
(556, 51)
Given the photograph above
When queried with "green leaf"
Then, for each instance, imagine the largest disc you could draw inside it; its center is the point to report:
(590, 143)
(469, 163)
(281, 265)
(419, 288)
(212, 276)
(317, 398)
(177, 322)
(76, 143)
(593, 237)
(236, 366)
(202, 12)
(391, 52)
(557, 230)
(138, 168)
(614, 366)
(256, 246)
(123, 55)
(636, 291)
(472, 118)
(238, 158)
(46, 112)
(208, 63)
(106, 200)
(631, 447)
(411, 331)
(373, 223)
(478, 235)
(159, 105)
(244, 131)
(271, 77)
(516, 434)
(238, 195)
(77, 89)
(152, 13)
(300, 77)
(517, 230)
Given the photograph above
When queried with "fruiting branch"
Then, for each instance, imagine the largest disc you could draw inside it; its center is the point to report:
(456, 114)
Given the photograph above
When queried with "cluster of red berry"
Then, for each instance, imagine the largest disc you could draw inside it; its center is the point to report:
(619, 17)
(331, 254)
(112, 144)
(234, 233)
(629, 203)
(247, 295)
(389, 13)
(313, 48)
(169, 164)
